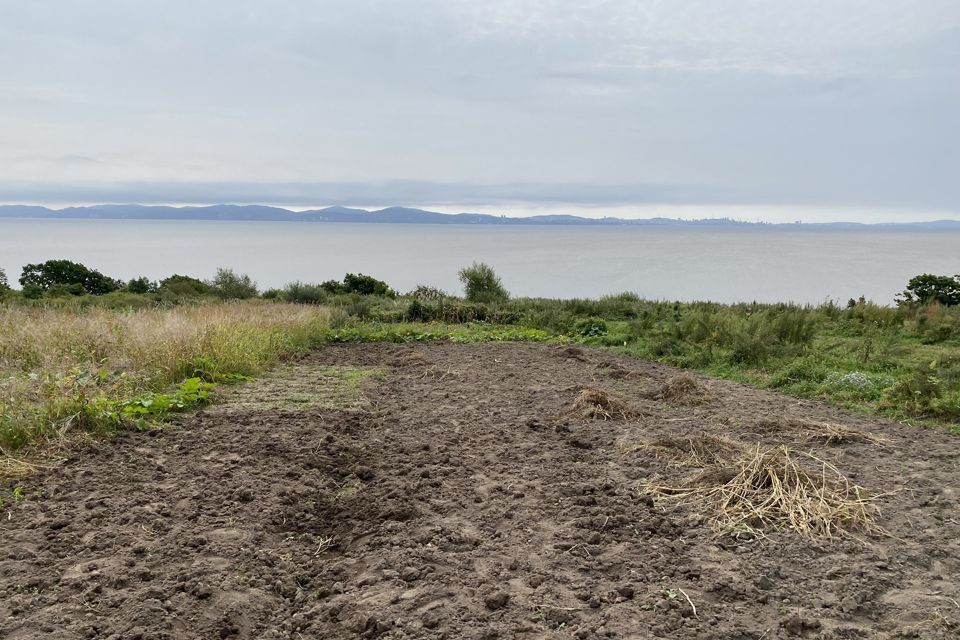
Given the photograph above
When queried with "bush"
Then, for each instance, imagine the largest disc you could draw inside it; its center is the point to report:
(32, 292)
(64, 272)
(233, 286)
(482, 284)
(591, 327)
(4, 285)
(304, 293)
(64, 290)
(184, 286)
(429, 294)
(360, 284)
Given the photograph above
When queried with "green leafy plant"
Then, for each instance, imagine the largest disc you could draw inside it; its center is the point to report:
(591, 327)
(192, 392)
(482, 284)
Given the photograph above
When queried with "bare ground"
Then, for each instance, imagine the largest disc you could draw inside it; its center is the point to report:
(449, 491)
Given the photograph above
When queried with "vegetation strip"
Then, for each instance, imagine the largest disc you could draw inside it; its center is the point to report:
(81, 352)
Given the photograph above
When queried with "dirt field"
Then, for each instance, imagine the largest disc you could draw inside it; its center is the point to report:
(450, 491)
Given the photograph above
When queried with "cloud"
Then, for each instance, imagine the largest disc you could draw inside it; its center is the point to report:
(821, 101)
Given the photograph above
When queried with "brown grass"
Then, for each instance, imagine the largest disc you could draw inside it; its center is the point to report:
(597, 403)
(777, 488)
(694, 451)
(682, 388)
(820, 432)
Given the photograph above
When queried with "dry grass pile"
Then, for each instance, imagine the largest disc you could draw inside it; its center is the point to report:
(694, 451)
(777, 488)
(682, 388)
(820, 432)
(597, 403)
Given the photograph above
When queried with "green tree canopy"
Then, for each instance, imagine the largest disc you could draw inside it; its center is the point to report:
(927, 288)
(51, 273)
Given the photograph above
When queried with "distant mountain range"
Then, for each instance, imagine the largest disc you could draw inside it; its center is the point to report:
(395, 215)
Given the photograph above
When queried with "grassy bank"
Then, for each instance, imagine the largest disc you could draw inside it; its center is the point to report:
(69, 370)
(89, 364)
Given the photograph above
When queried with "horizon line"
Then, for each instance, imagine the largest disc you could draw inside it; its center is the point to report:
(513, 215)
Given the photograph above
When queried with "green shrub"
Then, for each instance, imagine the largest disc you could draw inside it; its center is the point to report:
(359, 284)
(749, 343)
(482, 284)
(31, 292)
(801, 371)
(591, 327)
(65, 290)
(794, 326)
(304, 293)
(917, 394)
(184, 286)
(233, 286)
(428, 294)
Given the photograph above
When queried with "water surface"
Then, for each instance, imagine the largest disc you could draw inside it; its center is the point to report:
(725, 265)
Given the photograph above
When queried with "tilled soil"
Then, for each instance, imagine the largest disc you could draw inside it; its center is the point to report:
(462, 499)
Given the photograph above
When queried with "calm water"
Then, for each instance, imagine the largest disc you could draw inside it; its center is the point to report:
(663, 263)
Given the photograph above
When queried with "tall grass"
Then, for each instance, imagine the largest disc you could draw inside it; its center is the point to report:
(57, 363)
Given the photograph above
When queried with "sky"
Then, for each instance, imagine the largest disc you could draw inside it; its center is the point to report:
(753, 109)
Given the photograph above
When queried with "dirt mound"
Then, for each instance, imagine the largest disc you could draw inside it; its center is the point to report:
(682, 388)
(572, 353)
(415, 504)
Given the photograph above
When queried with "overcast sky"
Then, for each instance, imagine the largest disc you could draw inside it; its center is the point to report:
(770, 109)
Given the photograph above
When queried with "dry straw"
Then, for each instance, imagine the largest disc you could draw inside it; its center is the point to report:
(597, 403)
(693, 451)
(777, 488)
(821, 432)
(682, 388)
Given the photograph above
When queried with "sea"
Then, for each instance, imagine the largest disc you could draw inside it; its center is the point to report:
(797, 264)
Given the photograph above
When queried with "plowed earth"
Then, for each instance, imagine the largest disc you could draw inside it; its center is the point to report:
(448, 491)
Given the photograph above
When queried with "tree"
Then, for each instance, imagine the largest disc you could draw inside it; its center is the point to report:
(482, 284)
(927, 288)
(233, 286)
(141, 285)
(359, 283)
(4, 286)
(64, 272)
(178, 285)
